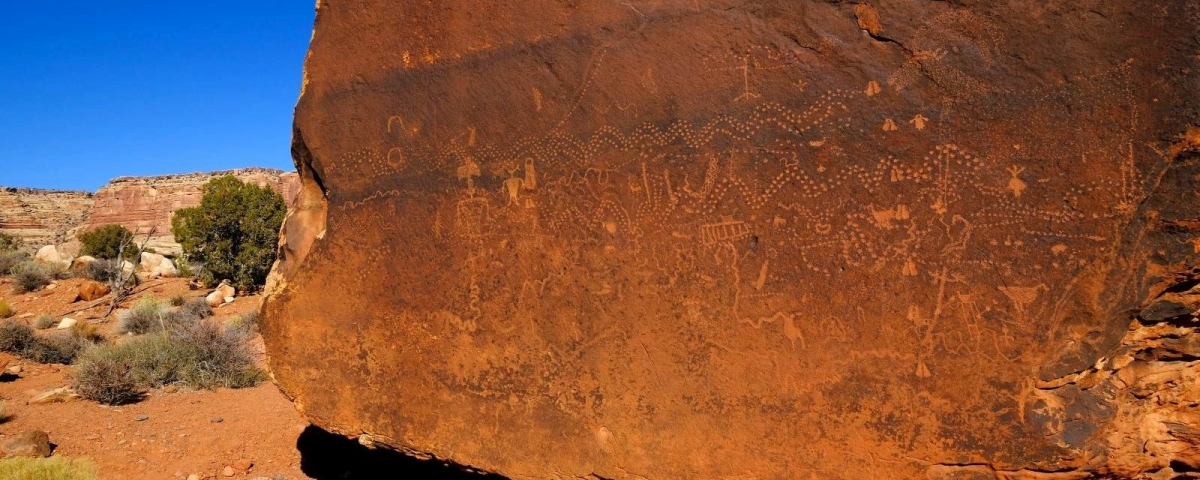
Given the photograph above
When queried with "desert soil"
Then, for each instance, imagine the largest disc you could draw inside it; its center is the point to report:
(172, 433)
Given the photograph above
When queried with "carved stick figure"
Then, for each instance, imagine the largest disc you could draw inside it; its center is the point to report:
(1016, 185)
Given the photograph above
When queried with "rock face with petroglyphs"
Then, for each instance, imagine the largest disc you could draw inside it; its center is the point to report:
(735, 240)
(146, 204)
(42, 217)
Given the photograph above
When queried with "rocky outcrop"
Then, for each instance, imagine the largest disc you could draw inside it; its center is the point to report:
(145, 204)
(734, 240)
(42, 217)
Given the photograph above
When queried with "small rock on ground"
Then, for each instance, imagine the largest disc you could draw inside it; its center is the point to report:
(242, 464)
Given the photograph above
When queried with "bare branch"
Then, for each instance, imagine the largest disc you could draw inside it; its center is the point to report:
(120, 284)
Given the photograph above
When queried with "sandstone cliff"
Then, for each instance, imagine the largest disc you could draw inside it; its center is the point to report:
(42, 217)
(747, 240)
(145, 204)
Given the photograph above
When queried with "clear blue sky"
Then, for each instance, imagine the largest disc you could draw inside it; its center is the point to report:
(95, 90)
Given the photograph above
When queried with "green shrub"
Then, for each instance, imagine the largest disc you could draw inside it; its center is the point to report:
(45, 321)
(178, 301)
(6, 310)
(193, 352)
(105, 242)
(30, 276)
(147, 314)
(53, 468)
(9, 243)
(185, 268)
(10, 259)
(233, 232)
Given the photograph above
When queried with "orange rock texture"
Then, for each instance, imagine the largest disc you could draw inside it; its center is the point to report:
(747, 240)
(145, 204)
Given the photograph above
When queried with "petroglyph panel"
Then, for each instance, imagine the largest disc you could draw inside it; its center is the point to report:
(674, 239)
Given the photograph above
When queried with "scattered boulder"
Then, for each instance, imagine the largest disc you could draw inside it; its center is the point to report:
(91, 290)
(57, 395)
(224, 293)
(67, 323)
(33, 443)
(153, 265)
(242, 464)
(83, 262)
(50, 255)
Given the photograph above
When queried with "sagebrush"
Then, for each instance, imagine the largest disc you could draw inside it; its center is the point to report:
(43, 322)
(54, 347)
(183, 349)
(148, 313)
(29, 276)
(10, 259)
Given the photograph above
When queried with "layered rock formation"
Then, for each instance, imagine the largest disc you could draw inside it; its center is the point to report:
(146, 204)
(775, 239)
(41, 217)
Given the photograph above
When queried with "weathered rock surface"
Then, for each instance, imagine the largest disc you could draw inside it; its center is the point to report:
(143, 204)
(42, 217)
(772, 240)
(153, 265)
(91, 290)
(33, 443)
(50, 255)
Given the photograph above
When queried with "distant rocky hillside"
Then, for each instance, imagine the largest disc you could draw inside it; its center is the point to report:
(40, 217)
(145, 204)
(141, 204)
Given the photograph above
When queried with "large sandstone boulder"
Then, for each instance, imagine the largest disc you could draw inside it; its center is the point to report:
(90, 290)
(50, 255)
(772, 240)
(82, 262)
(153, 265)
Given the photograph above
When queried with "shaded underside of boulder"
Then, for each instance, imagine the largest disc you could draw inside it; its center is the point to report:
(775, 239)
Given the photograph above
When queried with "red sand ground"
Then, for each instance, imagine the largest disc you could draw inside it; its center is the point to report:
(181, 435)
